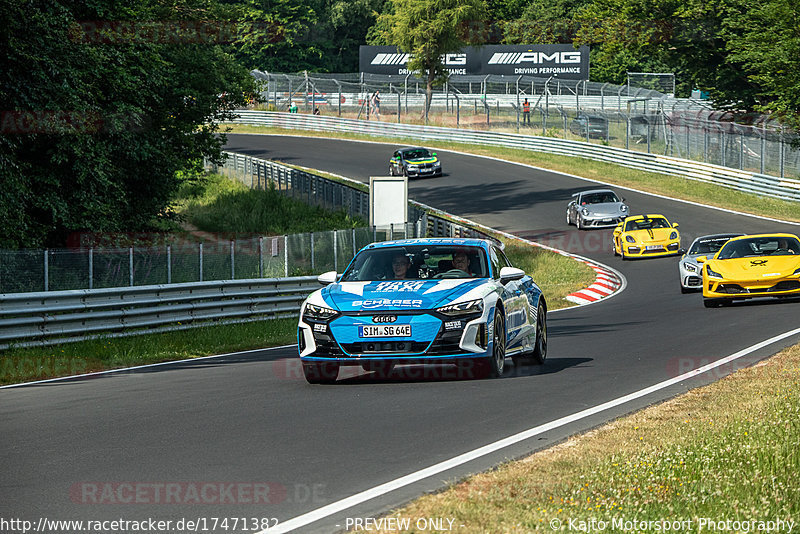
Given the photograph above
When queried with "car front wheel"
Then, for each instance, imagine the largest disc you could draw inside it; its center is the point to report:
(493, 366)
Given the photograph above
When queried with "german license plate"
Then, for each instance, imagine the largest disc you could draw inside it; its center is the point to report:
(384, 330)
(606, 221)
(654, 247)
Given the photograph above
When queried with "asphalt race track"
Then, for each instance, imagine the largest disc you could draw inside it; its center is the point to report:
(72, 450)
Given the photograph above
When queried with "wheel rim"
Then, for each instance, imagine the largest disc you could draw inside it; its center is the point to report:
(499, 343)
(541, 332)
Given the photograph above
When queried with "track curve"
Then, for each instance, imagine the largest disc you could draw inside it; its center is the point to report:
(251, 417)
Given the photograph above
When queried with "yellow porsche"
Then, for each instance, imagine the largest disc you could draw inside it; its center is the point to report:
(644, 236)
(764, 265)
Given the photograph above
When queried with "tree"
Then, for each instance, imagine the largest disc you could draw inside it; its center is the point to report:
(428, 29)
(101, 118)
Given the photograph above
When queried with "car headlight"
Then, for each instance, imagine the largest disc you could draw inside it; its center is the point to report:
(623, 208)
(711, 272)
(629, 239)
(462, 308)
(319, 313)
(411, 166)
(437, 164)
(691, 267)
(797, 271)
(585, 212)
(673, 235)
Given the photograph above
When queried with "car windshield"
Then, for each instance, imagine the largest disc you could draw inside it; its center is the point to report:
(417, 262)
(708, 245)
(599, 198)
(416, 153)
(646, 224)
(760, 246)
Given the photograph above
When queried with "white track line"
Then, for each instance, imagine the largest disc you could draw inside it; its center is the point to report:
(382, 489)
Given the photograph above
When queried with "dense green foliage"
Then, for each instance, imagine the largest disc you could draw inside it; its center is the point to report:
(98, 119)
(429, 29)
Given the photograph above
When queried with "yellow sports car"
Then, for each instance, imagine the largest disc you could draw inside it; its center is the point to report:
(765, 265)
(642, 236)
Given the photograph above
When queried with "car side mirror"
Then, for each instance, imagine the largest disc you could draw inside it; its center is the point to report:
(507, 274)
(434, 153)
(327, 278)
(701, 259)
(681, 251)
(675, 225)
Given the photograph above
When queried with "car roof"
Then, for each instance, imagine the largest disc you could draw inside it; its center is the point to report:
(588, 191)
(647, 216)
(718, 236)
(765, 235)
(464, 242)
(407, 148)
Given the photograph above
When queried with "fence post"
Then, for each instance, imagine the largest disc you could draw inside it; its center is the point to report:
(91, 267)
(286, 256)
(354, 242)
(313, 263)
(169, 264)
(335, 250)
(130, 264)
(46, 270)
(200, 262)
(233, 269)
(261, 257)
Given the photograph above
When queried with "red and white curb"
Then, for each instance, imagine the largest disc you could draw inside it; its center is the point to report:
(606, 284)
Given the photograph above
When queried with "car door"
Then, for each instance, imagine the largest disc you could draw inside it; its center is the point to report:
(514, 301)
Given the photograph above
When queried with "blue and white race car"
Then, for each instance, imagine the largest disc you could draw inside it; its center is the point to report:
(430, 300)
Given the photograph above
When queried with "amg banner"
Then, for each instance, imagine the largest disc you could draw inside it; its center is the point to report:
(565, 61)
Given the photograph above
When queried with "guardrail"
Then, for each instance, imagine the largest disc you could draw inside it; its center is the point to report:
(761, 184)
(52, 317)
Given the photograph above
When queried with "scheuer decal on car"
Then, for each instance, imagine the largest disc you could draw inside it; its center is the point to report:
(384, 318)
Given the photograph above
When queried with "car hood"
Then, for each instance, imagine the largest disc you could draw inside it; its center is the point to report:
(432, 159)
(756, 268)
(604, 208)
(656, 235)
(396, 295)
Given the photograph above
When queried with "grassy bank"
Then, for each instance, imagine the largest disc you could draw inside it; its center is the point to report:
(219, 204)
(38, 363)
(645, 181)
(727, 451)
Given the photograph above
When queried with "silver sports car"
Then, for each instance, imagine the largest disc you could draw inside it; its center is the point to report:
(691, 271)
(596, 208)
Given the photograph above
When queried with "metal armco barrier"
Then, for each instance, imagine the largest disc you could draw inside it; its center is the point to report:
(52, 317)
(760, 184)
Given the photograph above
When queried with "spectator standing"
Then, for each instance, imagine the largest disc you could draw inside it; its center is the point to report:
(376, 104)
(526, 112)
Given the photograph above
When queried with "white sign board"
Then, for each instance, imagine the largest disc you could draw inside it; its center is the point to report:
(388, 200)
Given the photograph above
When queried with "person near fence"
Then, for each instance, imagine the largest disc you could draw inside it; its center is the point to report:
(316, 111)
(293, 108)
(376, 104)
(526, 112)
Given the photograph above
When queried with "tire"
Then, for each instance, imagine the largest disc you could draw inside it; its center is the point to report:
(540, 349)
(380, 368)
(685, 290)
(578, 222)
(614, 248)
(493, 366)
(569, 220)
(716, 303)
(321, 373)
(391, 170)
(622, 253)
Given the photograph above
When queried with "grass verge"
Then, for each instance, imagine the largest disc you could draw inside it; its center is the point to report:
(726, 452)
(220, 204)
(38, 363)
(614, 174)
